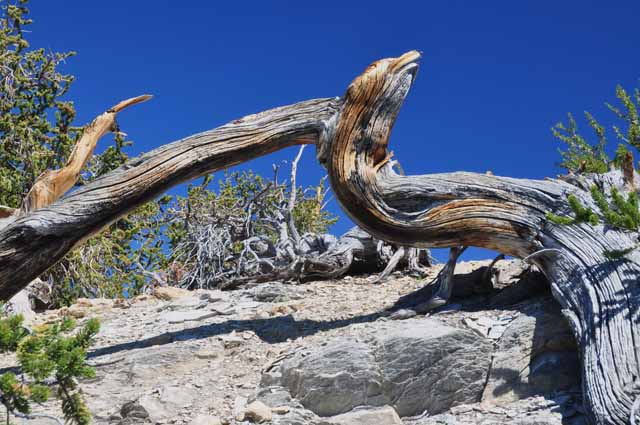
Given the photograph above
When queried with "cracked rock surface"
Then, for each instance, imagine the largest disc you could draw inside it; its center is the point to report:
(415, 365)
(329, 353)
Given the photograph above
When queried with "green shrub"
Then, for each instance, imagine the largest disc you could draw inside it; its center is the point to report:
(37, 134)
(583, 156)
(36, 131)
(52, 351)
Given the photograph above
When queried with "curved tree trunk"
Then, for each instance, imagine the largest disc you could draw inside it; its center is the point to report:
(52, 185)
(600, 298)
(32, 243)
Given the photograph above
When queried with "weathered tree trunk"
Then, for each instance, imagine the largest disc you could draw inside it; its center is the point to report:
(52, 184)
(358, 252)
(600, 298)
(30, 244)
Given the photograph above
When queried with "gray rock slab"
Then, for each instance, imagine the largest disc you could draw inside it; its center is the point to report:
(385, 415)
(188, 316)
(413, 365)
(535, 355)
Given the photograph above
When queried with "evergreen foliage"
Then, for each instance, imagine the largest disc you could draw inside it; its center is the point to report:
(582, 156)
(37, 133)
(582, 214)
(620, 213)
(628, 114)
(50, 352)
(113, 263)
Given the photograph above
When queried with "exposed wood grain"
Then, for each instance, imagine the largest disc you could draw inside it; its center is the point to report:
(52, 184)
(600, 298)
(32, 243)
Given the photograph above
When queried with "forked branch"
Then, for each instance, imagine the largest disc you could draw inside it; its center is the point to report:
(52, 184)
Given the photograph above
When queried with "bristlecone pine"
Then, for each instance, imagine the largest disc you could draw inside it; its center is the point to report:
(600, 297)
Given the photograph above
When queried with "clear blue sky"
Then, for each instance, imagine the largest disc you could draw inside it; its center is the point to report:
(494, 78)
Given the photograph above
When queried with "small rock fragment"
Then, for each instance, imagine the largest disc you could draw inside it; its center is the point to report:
(262, 315)
(496, 331)
(212, 296)
(132, 409)
(232, 340)
(385, 415)
(208, 353)
(480, 330)
(223, 309)
(258, 412)
(402, 314)
(239, 405)
(281, 410)
(206, 420)
(169, 293)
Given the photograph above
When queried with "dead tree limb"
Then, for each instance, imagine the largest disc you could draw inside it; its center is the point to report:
(355, 252)
(600, 297)
(437, 293)
(392, 264)
(292, 198)
(52, 184)
(32, 243)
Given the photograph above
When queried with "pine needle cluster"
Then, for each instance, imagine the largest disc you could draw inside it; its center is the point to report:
(582, 214)
(582, 156)
(51, 357)
(620, 213)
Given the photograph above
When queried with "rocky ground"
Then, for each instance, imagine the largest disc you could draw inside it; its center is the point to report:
(332, 353)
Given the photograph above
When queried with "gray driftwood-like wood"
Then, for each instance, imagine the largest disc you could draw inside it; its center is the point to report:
(358, 252)
(599, 297)
(30, 244)
(321, 256)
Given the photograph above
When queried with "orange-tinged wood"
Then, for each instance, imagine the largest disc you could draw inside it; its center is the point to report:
(52, 184)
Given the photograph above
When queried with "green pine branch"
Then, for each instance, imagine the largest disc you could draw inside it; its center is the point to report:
(581, 214)
(51, 351)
